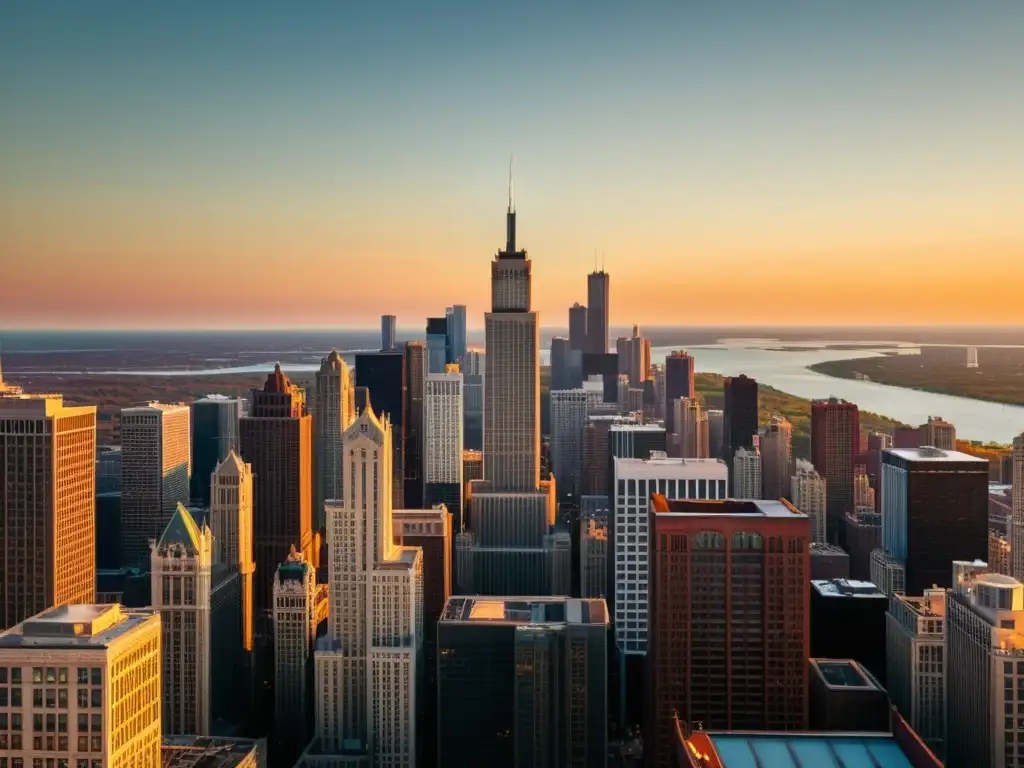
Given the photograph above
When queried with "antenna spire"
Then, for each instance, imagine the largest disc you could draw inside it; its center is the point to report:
(511, 186)
(510, 217)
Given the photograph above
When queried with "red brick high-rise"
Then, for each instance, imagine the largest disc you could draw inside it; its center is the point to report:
(728, 619)
(835, 443)
(277, 440)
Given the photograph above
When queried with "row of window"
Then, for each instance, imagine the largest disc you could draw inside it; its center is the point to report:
(85, 675)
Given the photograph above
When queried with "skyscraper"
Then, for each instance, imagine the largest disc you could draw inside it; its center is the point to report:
(443, 445)
(561, 366)
(456, 319)
(473, 399)
(47, 505)
(367, 668)
(809, 494)
(156, 467)
(523, 682)
(511, 548)
(985, 645)
(835, 442)
(746, 473)
(938, 433)
(678, 383)
(431, 531)
(437, 344)
(415, 375)
(740, 414)
(1015, 525)
(691, 440)
(568, 418)
(638, 358)
(295, 624)
(578, 327)
(934, 511)
(334, 408)
(107, 654)
(231, 521)
(716, 433)
(214, 433)
(776, 446)
(387, 333)
(729, 624)
(384, 376)
(598, 303)
(276, 441)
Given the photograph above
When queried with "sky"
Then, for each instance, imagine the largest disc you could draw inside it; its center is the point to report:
(270, 164)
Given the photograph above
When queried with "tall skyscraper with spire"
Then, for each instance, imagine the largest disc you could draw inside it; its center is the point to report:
(511, 548)
(598, 286)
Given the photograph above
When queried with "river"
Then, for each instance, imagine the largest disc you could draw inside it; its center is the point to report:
(783, 365)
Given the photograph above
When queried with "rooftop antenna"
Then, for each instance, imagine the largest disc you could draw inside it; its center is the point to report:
(511, 185)
(602, 261)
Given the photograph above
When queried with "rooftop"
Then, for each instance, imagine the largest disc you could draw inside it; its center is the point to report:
(824, 548)
(931, 604)
(799, 750)
(930, 453)
(537, 611)
(647, 426)
(205, 752)
(155, 406)
(730, 507)
(843, 673)
(847, 588)
(75, 626)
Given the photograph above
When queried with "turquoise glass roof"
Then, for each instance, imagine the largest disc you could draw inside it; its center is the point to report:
(754, 751)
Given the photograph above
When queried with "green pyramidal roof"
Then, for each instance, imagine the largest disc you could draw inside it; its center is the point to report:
(181, 528)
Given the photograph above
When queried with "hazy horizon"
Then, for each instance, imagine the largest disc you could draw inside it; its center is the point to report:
(795, 162)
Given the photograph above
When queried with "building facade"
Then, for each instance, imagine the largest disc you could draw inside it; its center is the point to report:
(385, 377)
(47, 505)
(415, 383)
(740, 415)
(568, 418)
(368, 665)
(598, 303)
(334, 408)
(388, 324)
(679, 370)
(156, 468)
(277, 442)
(776, 446)
(437, 344)
(456, 322)
(593, 559)
(809, 494)
(835, 442)
(231, 520)
(214, 433)
(713, 562)
(746, 473)
(522, 682)
(473, 368)
(443, 423)
(97, 667)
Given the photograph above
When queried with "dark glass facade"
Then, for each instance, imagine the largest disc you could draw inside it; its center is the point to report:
(415, 375)
(679, 371)
(740, 415)
(848, 622)
(383, 375)
(214, 434)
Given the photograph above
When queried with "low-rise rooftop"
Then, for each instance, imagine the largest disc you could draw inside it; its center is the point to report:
(847, 588)
(842, 673)
(724, 507)
(524, 610)
(75, 626)
(207, 752)
(930, 454)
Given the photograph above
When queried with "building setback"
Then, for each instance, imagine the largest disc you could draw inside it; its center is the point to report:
(47, 505)
(522, 682)
(729, 623)
(276, 441)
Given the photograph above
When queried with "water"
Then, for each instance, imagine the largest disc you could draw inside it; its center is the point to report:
(782, 365)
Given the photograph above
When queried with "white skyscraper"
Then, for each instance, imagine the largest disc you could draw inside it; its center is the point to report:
(635, 481)
(334, 408)
(156, 467)
(443, 422)
(98, 669)
(568, 417)
(181, 566)
(807, 492)
(366, 667)
(1016, 521)
(746, 464)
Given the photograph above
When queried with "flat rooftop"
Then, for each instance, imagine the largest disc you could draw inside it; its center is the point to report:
(630, 426)
(723, 507)
(843, 673)
(823, 548)
(761, 750)
(205, 752)
(930, 605)
(75, 626)
(929, 453)
(847, 588)
(155, 406)
(525, 611)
